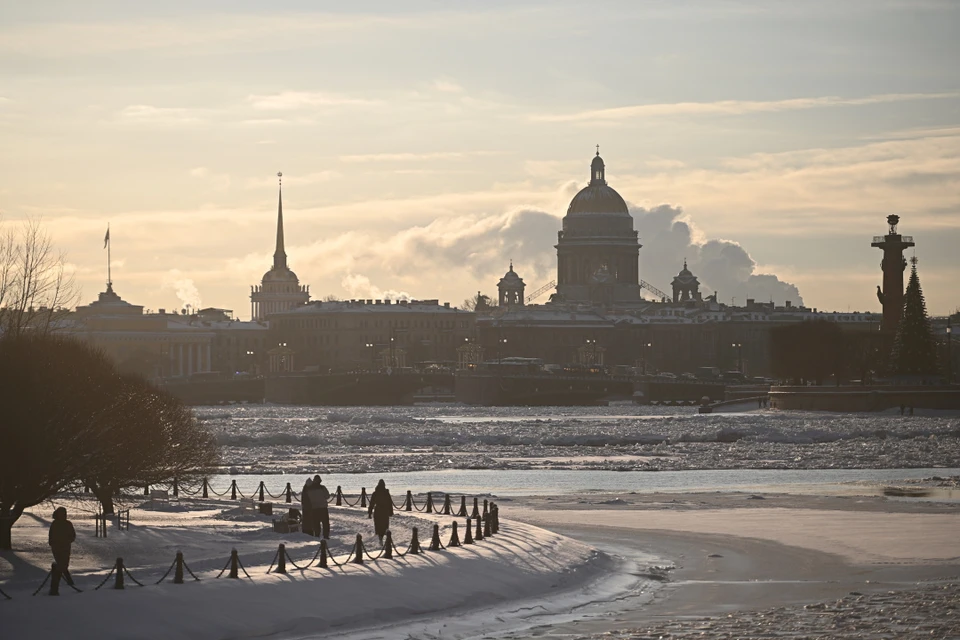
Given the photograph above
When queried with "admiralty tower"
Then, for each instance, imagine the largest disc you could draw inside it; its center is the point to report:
(280, 289)
(598, 249)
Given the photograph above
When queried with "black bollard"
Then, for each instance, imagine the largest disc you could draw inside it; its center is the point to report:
(414, 543)
(178, 569)
(176, 487)
(233, 489)
(478, 536)
(261, 492)
(234, 565)
(323, 554)
(54, 580)
(339, 502)
(146, 490)
(359, 547)
(446, 505)
(454, 536)
(409, 505)
(435, 540)
(486, 525)
(206, 485)
(485, 511)
(118, 582)
(429, 502)
(467, 533)
(388, 546)
(363, 496)
(463, 507)
(476, 508)
(496, 518)
(289, 492)
(282, 559)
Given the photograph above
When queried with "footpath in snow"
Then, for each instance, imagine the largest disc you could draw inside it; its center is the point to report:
(519, 563)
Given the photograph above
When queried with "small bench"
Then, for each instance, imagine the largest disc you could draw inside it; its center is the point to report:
(247, 503)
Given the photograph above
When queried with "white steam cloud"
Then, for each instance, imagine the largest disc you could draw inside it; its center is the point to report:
(359, 286)
(183, 287)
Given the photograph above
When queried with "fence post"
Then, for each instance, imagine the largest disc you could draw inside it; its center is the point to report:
(178, 570)
(486, 525)
(435, 540)
(261, 494)
(429, 502)
(358, 559)
(339, 502)
(54, 580)
(388, 546)
(468, 533)
(233, 489)
(176, 487)
(414, 543)
(282, 559)
(454, 536)
(478, 536)
(496, 518)
(476, 509)
(363, 496)
(446, 505)
(206, 486)
(409, 505)
(289, 491)
(485, 512)
(323, 554)
(118, 582)
(234, 565)
(146, 490)
(463, 507)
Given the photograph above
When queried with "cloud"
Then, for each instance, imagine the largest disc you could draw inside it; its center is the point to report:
(446, 86)
(291, 100)
(732, 107)
(668, 237)
(169, 116)
(359, 286)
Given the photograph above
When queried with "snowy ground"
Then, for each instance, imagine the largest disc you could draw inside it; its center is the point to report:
(520, 563)
(272, 439)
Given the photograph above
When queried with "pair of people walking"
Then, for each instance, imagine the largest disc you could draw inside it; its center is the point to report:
(316, 516)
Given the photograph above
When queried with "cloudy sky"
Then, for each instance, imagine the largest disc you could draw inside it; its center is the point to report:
(424, 148)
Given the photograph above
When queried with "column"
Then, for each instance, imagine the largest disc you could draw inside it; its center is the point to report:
(209, 363)
(180, 359)
(189, 359)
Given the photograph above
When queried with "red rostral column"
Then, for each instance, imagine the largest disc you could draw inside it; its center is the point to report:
(893, 266)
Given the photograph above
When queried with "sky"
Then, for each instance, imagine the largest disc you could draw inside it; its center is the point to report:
(424, 147)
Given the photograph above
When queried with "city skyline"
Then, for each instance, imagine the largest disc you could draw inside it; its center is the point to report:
(779, 153)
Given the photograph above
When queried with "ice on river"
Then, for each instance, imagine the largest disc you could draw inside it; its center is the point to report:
(259, 438)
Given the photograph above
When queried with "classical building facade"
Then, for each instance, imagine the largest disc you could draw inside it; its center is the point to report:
(280, 289)
(371, 334)
(598, 249)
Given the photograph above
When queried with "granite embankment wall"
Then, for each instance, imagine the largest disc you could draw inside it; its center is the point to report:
(865, 398)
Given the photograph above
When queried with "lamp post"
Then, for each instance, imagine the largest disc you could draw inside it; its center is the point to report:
(739, 348)
(949, 352)
(647, 352)
(592, 351)
(373, 354)
(251, 361)
(500, 343)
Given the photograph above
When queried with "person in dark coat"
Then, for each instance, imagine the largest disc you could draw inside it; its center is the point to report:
(62, 535)
(319, 498)
(381, 508)
(307, 524)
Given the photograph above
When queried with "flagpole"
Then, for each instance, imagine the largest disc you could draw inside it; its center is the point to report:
(109, 279)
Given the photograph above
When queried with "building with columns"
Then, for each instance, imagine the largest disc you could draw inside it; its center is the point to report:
(598, 250)
(280, 290)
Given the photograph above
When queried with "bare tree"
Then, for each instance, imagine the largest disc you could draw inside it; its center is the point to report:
(36, 288)
(69, 417)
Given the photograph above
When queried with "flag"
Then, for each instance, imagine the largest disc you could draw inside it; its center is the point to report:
(106, 238)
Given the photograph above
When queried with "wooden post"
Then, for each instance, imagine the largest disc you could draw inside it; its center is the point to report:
(467, 533)
(261, 495)
(234, 565)
(454, 536)
(446, 505)
(476, 508)
(363, 496)
(118, 581)
(178, 570)
(435, 540)
(323, 554)
(429, 502)
(54, 580)
(414, 543)
(206, 485)
(388, 546)
(339, 501)
(289, 491)
(478, 536)
(282, 559)
(358, 559)
(233, 489)
(463, 507)
(176, 487)
(409, 505)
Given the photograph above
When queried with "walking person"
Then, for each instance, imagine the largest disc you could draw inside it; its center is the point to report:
(381, 508)
(62, 534)
(319, 499)
(306, 522)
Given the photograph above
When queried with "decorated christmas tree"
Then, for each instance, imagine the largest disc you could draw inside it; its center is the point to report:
(914, 348)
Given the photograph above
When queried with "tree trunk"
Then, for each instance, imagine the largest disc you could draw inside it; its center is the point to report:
(8, 516)
(105, 496)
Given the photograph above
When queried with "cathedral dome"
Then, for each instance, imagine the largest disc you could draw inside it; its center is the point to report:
(597, 197)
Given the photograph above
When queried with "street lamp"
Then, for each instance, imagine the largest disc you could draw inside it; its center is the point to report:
(250, 358)
(500, 343)
(647, 351)
(373, 354)
(592, 350)
(739, 347)
(949, 352)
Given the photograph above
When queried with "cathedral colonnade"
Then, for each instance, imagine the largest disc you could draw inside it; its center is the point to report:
(188, 358)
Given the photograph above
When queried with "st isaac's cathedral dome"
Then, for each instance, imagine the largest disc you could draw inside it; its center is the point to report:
(597, 196)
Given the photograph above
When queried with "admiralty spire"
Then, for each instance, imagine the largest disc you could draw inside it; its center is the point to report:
(280, 289)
